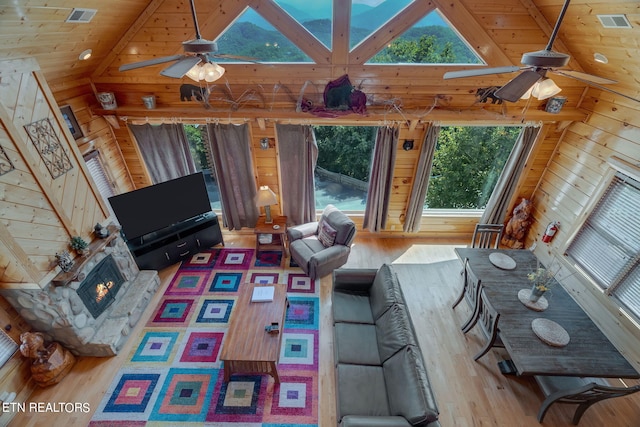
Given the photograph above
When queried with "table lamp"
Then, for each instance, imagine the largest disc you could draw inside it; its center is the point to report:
(266, 198)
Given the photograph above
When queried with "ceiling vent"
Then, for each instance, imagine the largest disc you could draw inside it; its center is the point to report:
(81, 16)
(614, 21)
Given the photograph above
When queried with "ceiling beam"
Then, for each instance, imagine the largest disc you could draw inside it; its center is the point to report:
(292, 30)
(391, 30)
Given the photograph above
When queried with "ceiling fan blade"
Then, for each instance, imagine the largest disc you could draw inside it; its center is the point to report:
(149, 62)
(518, 86)
(181, 67)
(584, 77)
(480, 72)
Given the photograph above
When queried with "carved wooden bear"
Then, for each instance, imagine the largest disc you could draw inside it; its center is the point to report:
(187, 92)
(518, 225)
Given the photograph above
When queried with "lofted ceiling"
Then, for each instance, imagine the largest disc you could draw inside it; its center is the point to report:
(125, 31)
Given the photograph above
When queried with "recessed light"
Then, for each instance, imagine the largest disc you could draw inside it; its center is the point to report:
(598, 57)
(86, 54)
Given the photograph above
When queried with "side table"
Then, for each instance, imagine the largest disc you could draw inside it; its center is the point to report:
(277, 230)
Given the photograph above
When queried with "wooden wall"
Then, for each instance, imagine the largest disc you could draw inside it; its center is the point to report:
(577, 172)
(38, 213)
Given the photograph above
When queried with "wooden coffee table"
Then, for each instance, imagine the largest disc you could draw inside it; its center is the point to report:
(248, 348)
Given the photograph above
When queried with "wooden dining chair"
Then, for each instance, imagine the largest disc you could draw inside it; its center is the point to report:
(469, 291)
(487, 236)
(486, 316)
(583, 392)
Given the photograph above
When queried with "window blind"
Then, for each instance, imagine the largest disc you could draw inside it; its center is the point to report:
(7, 347)
(607, 247)
(99, 175)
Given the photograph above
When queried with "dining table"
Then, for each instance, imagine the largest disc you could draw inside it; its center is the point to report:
(588, 353)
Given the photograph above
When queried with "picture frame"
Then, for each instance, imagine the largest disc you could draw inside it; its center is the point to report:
(70, 120)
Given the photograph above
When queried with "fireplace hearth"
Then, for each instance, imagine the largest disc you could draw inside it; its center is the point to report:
(92, 309)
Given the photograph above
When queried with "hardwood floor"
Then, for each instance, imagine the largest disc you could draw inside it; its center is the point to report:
(468, 393)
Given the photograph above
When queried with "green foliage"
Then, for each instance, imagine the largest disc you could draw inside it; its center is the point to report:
(197, 137)
(78, 243)
(426, 45)
(346, 149)
(467, 164)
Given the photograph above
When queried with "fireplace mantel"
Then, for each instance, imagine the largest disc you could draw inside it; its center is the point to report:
(65, 277)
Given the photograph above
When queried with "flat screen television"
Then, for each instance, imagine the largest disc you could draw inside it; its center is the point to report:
(161, 205)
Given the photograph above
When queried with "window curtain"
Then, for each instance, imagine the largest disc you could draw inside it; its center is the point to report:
(415, 206)
(165, 150)
(384, 158)
(497, 205)
(298, 153)
(230, 150)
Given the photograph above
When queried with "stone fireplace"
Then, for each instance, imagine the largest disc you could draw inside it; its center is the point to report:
(91, 309)
(100, 288)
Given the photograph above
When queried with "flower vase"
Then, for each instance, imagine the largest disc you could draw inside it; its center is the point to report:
(536, 293)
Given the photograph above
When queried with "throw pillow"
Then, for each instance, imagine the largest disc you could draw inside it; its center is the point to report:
(326, 234)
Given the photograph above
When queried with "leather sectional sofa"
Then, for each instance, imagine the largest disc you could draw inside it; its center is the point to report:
(381, 377)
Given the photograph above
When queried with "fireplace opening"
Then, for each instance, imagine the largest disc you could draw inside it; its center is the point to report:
(98, 290)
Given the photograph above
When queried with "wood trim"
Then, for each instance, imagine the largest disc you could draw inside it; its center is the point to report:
(341, 31)
(292, 30)
(30, 163)
(25, 264)
(389, 31)
(464, 22)
(73, 147)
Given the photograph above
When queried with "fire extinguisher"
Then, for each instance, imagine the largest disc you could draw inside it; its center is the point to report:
(551, 231)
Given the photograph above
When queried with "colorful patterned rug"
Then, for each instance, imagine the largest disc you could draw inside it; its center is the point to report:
(173, 375)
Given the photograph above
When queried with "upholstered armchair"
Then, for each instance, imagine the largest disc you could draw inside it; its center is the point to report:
(322, 246)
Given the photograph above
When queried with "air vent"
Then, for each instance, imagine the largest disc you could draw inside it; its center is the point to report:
(614, 21)
(81, 16)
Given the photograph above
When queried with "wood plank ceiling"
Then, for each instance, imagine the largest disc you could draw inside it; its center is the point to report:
(126, 31)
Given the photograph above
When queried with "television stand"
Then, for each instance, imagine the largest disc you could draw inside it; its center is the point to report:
(169, 245)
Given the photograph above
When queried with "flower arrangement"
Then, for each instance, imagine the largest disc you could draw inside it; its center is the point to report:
(541, 279)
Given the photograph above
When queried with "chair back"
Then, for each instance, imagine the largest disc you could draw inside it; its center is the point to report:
(487, 318)
(581, 391)
(344, 226)
(487, 236)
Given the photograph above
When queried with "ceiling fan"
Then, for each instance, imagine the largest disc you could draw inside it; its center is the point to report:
(534, 74)
(197, 51)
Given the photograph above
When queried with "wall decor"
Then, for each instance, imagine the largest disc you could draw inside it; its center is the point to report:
(48, 144)
(72, 123)
(5, 162)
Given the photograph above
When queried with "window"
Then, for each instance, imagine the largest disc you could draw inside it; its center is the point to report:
(607, 248)
(467, 164)
(100, 176)
(343, 167)
(198, 137)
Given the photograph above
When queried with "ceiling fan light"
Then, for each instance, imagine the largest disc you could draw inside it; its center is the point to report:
(194, 73)
(527, 94)
(212, 72)
(545, 88)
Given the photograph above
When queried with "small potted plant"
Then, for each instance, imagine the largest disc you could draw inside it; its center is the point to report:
(79, 245)
(541, 280)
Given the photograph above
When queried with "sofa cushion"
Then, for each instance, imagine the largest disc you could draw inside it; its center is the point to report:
(385, 291)
(361, 391)
(365, 421)
(408, 388)
(356, 343)
(394, 331)
(326, 234)
(351, 308)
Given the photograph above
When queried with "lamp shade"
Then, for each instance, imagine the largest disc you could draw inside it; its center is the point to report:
(208, 71)
(545, 88)
(266, 197)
